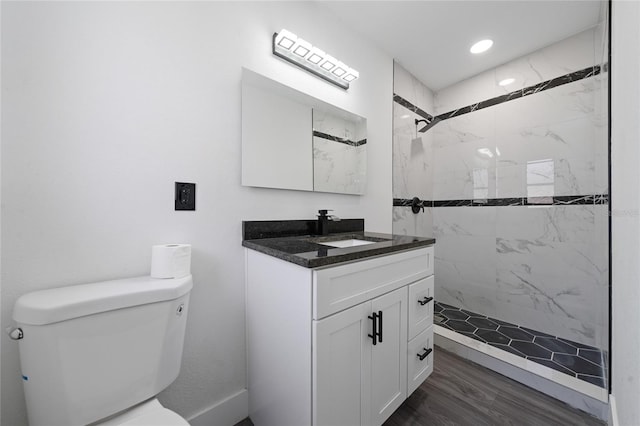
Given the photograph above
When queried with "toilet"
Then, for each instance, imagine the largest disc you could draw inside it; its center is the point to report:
(100, 353)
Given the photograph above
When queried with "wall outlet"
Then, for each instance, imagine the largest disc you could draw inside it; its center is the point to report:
(185, 196)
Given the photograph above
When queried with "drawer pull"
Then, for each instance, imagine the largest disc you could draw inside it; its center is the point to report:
(376, 318)
(426, 353)
(425, 301)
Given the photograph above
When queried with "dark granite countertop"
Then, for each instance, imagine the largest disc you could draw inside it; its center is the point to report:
(308, 251)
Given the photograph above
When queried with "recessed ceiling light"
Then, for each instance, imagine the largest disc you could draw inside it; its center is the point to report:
(506, 81)
(481, 46)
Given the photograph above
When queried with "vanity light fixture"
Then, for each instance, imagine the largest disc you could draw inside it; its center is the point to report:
(302, 48)
(481, 46)
(328, 63)
(339, 70)
(297, 51)
(506, 81)
(286, 39)
(316, 56)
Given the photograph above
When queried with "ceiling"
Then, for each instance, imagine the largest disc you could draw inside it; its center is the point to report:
(431, 39)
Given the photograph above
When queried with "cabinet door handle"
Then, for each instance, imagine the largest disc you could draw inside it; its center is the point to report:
(425, 301)
(426, 353)
(380, 327)
(374, 318)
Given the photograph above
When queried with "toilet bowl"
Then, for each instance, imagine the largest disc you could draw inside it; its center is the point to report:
(149, 413)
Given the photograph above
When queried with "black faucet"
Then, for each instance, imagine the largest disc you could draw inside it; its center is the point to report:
(323, 221)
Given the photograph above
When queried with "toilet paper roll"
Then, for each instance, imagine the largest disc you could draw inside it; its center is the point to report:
(170, 260)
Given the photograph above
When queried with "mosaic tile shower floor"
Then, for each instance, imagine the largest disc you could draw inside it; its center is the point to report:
(575, 359)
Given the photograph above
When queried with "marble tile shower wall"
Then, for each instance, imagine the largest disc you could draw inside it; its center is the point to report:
(549, 143)
(412, 154)
(542, 267)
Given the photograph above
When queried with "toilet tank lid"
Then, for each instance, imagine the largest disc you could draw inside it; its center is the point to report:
(64, 303)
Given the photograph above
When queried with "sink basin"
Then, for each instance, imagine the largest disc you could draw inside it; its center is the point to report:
(347, 243)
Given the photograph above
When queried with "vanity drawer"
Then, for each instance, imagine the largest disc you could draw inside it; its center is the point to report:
(340, 287)
(420, 306)
(419, 359)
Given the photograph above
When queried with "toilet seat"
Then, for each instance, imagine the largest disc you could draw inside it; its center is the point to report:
(149, 413)
(162, 417)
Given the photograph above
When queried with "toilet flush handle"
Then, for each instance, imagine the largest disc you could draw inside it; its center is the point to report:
(15, 333)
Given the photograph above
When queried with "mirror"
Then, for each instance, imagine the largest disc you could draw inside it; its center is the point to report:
(291, 140)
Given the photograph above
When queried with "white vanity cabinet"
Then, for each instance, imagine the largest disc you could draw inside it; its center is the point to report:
(339, 345)
(356, 381)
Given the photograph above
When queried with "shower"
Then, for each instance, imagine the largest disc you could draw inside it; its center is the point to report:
(513, 184)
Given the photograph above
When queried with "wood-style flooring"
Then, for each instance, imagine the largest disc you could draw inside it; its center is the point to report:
(460, 392)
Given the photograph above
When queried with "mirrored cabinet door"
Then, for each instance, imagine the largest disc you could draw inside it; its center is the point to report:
(291, 140)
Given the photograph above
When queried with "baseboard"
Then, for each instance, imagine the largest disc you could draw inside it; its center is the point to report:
(227, 412)
(613, 411)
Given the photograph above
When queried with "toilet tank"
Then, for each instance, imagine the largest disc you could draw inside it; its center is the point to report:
(89, 351)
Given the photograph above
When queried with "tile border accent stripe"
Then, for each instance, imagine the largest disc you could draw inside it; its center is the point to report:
(516, 94)
(561, 200)
(413, 108)
(338, 139)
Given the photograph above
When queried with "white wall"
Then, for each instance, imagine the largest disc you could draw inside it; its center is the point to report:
(625, 193)
(105, 105)
(0, 208)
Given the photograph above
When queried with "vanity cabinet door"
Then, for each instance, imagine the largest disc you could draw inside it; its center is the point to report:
(357, 382)
(341, 366)
(389, 356)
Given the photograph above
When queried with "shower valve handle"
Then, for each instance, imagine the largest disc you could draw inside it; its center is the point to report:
(416, 205)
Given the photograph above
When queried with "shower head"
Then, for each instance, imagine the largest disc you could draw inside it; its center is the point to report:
(428, 124)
